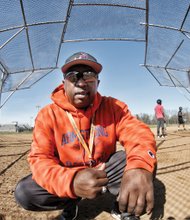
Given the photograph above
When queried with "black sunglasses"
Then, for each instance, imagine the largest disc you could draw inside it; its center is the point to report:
(87, 76)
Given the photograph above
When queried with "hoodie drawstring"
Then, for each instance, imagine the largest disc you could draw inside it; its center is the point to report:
(89, 148)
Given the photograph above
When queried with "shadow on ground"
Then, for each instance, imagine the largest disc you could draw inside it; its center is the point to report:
(159, 200)
(90, 209)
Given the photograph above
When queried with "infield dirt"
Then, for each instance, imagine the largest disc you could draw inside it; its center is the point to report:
(172, 185)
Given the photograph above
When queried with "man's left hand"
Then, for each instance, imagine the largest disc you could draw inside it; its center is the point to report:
(136, 191)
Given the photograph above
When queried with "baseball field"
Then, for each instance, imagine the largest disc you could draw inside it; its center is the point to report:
(172, 183)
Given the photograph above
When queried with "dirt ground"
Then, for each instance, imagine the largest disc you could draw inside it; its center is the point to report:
(172, 183)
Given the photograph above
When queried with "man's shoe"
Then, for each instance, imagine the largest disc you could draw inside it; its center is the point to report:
(127, 216)
(116, 214)
(69, 214)
(123, 216)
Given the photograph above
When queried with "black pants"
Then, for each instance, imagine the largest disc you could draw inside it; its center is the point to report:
(33, 197)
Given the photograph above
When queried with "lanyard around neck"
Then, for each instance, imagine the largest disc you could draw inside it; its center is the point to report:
(80, 137)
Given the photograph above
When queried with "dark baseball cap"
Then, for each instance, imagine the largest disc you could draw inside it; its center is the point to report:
(82, 58)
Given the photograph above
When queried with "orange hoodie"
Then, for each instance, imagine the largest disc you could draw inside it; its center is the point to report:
(56, 154)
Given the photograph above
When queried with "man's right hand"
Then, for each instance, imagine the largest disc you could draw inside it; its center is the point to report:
(88, 182)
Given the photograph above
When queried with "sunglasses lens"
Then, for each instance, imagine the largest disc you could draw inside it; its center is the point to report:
(89, 76)
(86, 76)
(72, 76)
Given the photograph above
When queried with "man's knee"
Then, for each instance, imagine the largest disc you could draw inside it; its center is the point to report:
(21, 195)
(33, 197)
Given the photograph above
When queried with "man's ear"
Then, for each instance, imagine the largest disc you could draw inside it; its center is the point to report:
(63, 81)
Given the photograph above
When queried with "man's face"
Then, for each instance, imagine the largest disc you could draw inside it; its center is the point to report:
(79, 90)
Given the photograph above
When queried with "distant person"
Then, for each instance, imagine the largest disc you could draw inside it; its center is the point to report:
(181, 120)
(160, 117)
(73, 153)
(16, 127)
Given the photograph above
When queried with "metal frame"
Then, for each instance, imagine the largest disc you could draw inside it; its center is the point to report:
(71, 4)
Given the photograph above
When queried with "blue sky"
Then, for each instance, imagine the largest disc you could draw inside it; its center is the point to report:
(122, 77)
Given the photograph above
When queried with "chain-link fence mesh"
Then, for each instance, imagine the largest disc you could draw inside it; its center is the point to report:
(32, 33)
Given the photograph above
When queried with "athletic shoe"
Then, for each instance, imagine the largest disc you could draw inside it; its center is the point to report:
(127, 216)
(123, 216)
(69, 214)
(116, 214)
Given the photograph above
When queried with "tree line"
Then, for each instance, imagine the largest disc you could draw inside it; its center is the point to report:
(170, 116)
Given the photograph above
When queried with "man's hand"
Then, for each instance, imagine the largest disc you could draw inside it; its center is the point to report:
(136, 191)
(88, 182)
